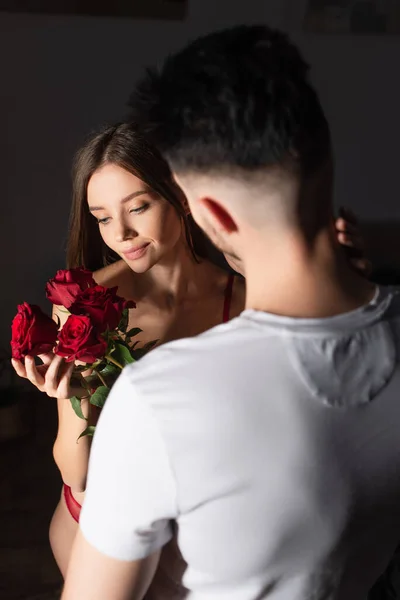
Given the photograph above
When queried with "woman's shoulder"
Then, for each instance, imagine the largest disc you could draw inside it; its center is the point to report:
(231, 284)
(117, 274)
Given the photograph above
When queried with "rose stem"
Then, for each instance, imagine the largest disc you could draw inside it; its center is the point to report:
(112, 360)
(101, 378)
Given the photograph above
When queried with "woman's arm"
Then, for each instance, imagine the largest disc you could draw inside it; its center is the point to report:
(54, 378)
(70, 454)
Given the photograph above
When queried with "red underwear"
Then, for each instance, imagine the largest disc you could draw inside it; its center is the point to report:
(73, 506)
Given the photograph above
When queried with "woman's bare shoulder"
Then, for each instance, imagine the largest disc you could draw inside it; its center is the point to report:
(221, 276)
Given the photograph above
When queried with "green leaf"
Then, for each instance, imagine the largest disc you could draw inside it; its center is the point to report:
(110, 369)
(107, 375)
(99, 363)
(122, 354)
(139, 352)
(134, 331)
(88, 431)
(90, 381)
(100, 396)
(123, 324)
(150, 345)
(76, 405)
(81, 368)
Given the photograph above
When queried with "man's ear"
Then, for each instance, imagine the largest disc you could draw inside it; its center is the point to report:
(219, 216)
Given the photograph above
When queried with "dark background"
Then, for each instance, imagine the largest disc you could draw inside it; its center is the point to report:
(61, 76)
(164, 9)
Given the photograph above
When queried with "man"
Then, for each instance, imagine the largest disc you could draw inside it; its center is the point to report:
(273, 441)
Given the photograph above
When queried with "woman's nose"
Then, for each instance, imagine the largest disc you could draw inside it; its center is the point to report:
(125, 232)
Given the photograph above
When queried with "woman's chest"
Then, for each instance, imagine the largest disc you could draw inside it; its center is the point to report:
(167, 324)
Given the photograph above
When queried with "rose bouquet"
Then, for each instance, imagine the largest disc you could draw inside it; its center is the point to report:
(94, 336)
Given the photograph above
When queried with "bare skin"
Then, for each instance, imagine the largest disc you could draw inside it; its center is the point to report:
(176, 297)
(162, 317)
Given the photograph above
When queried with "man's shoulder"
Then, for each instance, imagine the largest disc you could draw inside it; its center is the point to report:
(208, 340)
(188, 361)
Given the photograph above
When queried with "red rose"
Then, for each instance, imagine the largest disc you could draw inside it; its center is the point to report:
(102, 305)
(67, 285)
(33, 332)
(79, 340)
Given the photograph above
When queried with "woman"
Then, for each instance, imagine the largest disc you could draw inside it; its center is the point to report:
(129, 215)
(127, 211)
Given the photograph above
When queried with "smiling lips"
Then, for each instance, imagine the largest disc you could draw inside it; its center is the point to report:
(136, 252)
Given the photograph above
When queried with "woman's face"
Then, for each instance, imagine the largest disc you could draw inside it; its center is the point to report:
(133, 220)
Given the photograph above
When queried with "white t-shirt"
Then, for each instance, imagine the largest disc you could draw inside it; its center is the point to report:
(273, 443)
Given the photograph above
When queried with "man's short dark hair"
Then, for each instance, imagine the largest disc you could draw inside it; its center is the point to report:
(235, 99)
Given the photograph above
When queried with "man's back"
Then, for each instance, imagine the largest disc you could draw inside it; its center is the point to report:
(283, 437)
(272, 443)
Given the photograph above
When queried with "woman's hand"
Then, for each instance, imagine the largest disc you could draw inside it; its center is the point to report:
(54, 376)
(349, 236)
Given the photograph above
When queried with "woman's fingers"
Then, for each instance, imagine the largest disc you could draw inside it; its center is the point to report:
(353, 241)
(348, 231)
(58, 380)
(53, 376)
(348, 235)
(32, 373)
(19, 368)
(345, 226)
(64, 386)
(45, 377)
(46, 358)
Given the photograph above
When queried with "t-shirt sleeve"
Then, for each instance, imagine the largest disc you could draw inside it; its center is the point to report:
(130, 498)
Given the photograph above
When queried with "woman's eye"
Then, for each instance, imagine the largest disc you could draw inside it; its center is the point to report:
(140, 209)
(103, 221)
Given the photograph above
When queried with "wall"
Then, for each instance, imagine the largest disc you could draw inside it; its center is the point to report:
(63, 76)
(60, 78)
(358, 80)
(359, 84)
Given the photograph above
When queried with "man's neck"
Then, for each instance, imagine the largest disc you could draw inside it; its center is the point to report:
(293, 278)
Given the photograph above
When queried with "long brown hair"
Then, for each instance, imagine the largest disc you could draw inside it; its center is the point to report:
(121, 145)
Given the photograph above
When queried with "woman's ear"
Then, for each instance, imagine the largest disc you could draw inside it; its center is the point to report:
(219, 216)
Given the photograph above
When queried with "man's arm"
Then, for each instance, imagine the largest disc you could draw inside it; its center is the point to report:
(129, 504)
(95, 576)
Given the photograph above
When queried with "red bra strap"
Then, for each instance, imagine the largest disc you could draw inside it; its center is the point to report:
(228, 298)
(73, 506)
